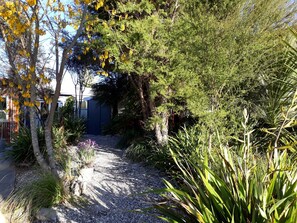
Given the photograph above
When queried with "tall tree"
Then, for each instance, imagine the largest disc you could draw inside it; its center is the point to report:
(136, 38)
(111, 90)
(200, 56)
(26, 23)
(81, 65)
(235, 47)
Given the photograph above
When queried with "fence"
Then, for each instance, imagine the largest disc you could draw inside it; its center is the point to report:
(7, 129)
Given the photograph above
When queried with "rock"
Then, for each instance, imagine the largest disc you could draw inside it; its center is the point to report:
(75, 188)
(79, 184)
(83, 187)
(87, 174)
(46, 214)
(2, 218)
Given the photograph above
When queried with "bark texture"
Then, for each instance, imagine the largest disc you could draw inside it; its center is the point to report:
(161, 129)
(36, 149)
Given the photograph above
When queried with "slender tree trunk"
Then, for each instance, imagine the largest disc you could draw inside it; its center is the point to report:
(75, 100)
(142, 101)
(48, 127)
(81, 93)
(161, 129)
(115, 110)
(137, 83)
(35, 143)
(60, 67)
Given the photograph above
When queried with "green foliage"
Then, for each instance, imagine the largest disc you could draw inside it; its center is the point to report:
(111, 90)
(21, 151)
(127, 123)
(241, 189)
(75, 128)
(204, 58)
(277, 103)
(140, 151)
(67, 111)
(130, 137)
(60, 137)
(45, 192)
(190, 142)
(62, 156)
(147, 151)
(230, 56)
(86, 152)
(292, 51)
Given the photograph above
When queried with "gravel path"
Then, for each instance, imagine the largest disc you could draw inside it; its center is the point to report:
(114, 192)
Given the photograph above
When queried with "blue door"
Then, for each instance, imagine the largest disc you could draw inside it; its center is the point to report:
(99, 116)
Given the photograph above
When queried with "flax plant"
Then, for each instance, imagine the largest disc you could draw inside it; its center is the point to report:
(240, 189)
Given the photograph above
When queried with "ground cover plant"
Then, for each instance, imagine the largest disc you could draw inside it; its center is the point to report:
(46, 191)
(21, 151)
(86, 152)
(231, 184)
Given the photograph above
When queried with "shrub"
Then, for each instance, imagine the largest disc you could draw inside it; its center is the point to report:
(23, 203)
(242, 187)
(60, 137)
(149, 152)
(239, 192)
(21, 146)
(140, 151)
(75, 128)
(130, 137)
(188, 141)
(21, 151)
(86, 152)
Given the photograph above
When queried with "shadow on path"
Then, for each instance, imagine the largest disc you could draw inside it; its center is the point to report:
(7, 176)
(114, 194)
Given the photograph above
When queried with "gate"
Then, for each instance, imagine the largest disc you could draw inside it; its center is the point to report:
(98, 116)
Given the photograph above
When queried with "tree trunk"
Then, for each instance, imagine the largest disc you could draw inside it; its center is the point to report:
(34, 136)
(75, 100)
(115, 110)
(137, 83)
(161, 129)
(80, 102)
(50, 150)
(48, 127)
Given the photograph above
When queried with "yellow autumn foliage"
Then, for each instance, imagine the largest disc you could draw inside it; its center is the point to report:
(31, 2)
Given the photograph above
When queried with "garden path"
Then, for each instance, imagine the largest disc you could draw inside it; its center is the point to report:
(115, 189)
(7, 176)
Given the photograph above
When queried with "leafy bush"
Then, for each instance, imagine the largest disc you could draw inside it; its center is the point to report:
(46, 191)
(75, 128)
(129, 137)
(140, 151)
(240, 192)
(188, 141)
(149, 152)
(21, 151)
(21, 146)
(86, 152)
(62, 156)
(60, 137)
(231, 185)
